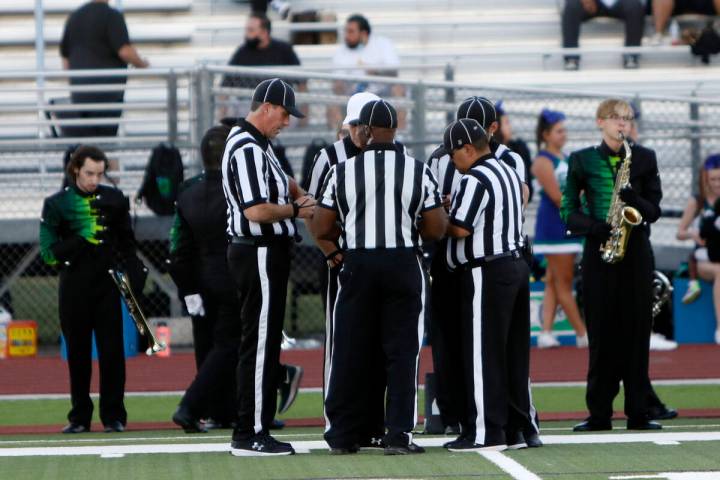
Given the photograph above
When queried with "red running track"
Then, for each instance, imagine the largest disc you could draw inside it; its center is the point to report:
(48, 374)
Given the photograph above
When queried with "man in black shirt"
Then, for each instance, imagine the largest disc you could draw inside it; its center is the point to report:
(96, 37)
(259, 49)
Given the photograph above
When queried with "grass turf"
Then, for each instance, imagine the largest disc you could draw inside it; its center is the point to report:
(309, 404)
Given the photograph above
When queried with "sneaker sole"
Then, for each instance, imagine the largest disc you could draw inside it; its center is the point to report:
(491, 448)
(238, 452)
(293, 388)
(517, 446)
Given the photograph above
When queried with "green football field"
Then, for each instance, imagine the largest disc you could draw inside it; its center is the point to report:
(687, 448)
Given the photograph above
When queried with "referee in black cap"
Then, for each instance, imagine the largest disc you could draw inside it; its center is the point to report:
(486, 219)
(378, 198)
(445, 333)
(263, 203)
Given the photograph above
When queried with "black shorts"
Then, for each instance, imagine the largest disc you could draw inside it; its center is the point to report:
(704, 7)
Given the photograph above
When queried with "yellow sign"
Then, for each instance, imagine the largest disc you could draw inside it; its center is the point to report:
(22, 338)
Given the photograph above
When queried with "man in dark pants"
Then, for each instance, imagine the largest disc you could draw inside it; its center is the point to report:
(262, 204)
(198, 248)
(632, 12)
(617, 297)
(486, 220)
(96, 37)
(85, 231)
(326, 158)
(377, 197)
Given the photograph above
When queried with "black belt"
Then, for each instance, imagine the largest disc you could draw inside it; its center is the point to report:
(260, 241)
(479, 262)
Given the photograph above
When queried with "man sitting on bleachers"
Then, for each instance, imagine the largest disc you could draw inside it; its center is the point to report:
(575, 12)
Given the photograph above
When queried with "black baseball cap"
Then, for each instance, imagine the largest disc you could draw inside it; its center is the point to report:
(462, 132)
(378, 113)
(479, 108)
(279, 93)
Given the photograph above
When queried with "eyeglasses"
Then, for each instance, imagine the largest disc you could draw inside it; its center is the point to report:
(615, 116)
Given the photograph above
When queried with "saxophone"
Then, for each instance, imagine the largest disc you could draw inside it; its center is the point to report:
(620, 217)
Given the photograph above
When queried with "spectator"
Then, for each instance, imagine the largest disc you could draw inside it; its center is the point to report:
(575, 12)
(504, 135)
(550, 168)
(360, 49)
(259, 49)
(96, 37)
(692, 227)
(662, 10)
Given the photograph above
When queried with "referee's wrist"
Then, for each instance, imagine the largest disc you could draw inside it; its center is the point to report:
(294, 210)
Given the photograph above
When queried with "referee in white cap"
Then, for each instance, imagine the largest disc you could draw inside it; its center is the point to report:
(263, 203)
(377, 198)
(325, 159)
(486, 218)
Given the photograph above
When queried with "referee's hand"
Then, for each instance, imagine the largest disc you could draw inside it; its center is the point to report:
(306, 206)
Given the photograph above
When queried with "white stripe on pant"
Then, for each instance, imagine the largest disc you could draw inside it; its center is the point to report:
(262, 336)
(477, 356)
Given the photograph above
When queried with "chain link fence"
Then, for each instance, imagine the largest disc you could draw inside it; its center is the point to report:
(178, 106)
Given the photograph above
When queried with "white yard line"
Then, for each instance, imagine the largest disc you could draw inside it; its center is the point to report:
(305, 446)
(509, 466)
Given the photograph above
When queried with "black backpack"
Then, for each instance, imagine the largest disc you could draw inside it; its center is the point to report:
(706, 43)
(163, 175)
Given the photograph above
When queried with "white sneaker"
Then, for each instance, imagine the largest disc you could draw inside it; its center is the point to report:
(581, 341)
(547, 340)
(281, 7)
(658, 40)
(659, 342)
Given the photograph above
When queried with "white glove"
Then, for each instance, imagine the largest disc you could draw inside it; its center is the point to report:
(194, 305)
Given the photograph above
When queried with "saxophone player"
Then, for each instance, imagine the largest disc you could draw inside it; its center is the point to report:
(618, 295)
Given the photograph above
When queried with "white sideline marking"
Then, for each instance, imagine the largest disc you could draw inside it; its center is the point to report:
(667, 442)
(307, 445)
(112, 455)
(65, 396)
(510, 466)
(147, 439)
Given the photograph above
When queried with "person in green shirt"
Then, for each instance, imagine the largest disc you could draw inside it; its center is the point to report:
(85, 230)
(617, 297)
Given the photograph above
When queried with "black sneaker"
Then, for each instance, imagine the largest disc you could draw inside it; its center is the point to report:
(115, 426)
(631, 62)
(463, 444)
(190, 424)
(344, 450)
(572, 64)
(215, 424)
(260, 445)
(515, 440)
(276, 424)
(75, 428)
(662, 413)
(288, 389)
(453, 429)
(403, 449)
(532, 439)
(373, 443)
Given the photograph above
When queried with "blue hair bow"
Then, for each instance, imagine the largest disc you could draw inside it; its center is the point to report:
(552, 116)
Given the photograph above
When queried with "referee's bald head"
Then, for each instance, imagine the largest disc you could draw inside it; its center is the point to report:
(480, 109)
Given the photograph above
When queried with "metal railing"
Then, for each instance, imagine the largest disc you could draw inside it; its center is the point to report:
(178, 105)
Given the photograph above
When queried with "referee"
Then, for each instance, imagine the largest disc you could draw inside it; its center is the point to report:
(486, 220)
(325, 159)
(377, 198)
(261, 223)
(445, 332)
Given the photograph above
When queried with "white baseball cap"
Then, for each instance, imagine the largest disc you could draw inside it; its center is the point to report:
(355, 104)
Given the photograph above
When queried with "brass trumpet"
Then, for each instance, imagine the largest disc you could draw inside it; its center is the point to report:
(620, 217)
(138, 317)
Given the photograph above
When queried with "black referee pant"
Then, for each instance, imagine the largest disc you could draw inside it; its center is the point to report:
(261, 276)
(445, 338)
(618, 314)
(375, 373)
(381, 299)
(89, 302)
(212, 392)
(496, 346)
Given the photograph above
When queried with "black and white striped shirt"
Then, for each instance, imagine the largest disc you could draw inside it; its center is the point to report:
(252, 175)
(442, 166)
(325, 159)
(488, 203)
(378, 196)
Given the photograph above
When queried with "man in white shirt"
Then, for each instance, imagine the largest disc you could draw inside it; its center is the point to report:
(364, 54)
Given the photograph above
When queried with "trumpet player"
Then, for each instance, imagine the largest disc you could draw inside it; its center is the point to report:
(617, 273)
(85, 230)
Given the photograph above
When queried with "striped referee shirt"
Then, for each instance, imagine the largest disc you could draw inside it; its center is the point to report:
(378, 196)
(488, 203)
(442, 166)
(252, 175)
(326, 158)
